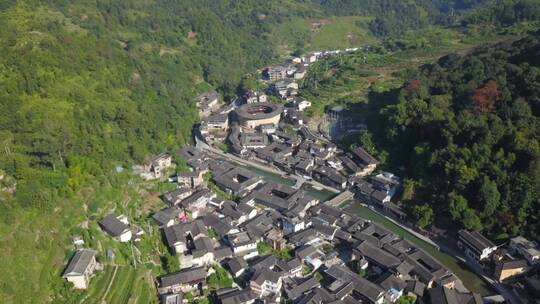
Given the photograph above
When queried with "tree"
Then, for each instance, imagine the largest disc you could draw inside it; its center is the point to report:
(362, 273)
(484, 98)
(457, 205)
(219, 279)
(408, 189)
(423, 214)
(263, 248)
(489, 197)
(170, 263)
(365, 141)
(406, 300)
(212, 234)
(471, 221)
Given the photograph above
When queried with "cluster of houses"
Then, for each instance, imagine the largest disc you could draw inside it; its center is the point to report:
(83, 264)
(334, 256)
(303, 154)
(516, 263)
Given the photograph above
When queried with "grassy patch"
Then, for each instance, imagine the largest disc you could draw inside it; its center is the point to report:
(120, 291)
(99, 284)
(343, 32)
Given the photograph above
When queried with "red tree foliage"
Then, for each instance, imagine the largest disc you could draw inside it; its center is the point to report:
(484, 98)
(413, 85)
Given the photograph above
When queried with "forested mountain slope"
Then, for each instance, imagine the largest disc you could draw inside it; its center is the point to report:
(468, 131)
(87, 85)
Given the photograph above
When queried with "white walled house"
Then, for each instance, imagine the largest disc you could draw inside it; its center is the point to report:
(81, 268)
(475, 245)
(158, 164)
(293, 225)
(117, 227)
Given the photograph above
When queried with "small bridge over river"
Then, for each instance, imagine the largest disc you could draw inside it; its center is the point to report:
(340, 198)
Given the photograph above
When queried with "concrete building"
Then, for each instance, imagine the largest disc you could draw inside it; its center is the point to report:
(156, 165)
(301, 103)
(508, 269)
(276, 72)
(185, 280)
(117, 227)
(530, 250)
(219, 122)
(475, 245)
(81, 268)
(207, 103)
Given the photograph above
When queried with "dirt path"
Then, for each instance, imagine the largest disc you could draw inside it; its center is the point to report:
(109, 286)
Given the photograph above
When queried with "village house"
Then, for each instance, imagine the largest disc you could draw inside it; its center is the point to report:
(475, 245)
(167, 217)
(443, 295)
(241, 242)
(237, 181)
(347, 282)
(365, 162)
(295, 117)
(191, 243)
(172, 298)
(117, 227)
(191, 179)
(530, 250)
(275, 238)
(507, 269)
(255, 96)
(301, 103)
(300, 72)
(269, 272)
(296, 287)
(194, 157)
(309, 59)
(217, 122)
(276, 72)
(81, 268)
(394, 286)
(220, 226)
(386, 182)
(237, 266)
(253, 140)
(156, 166)
(195, 204)
(207, 103)
(236, 214)
(236, 296)
(174, 197)
(186, 280)
(178, 236)
(285, 88)
(330, 177)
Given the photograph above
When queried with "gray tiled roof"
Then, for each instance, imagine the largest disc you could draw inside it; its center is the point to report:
(112, 225)
(79, 262)
(185, 276)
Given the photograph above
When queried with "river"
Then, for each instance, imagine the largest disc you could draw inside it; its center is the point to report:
(470, 279)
